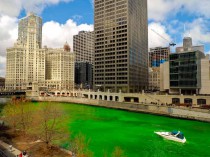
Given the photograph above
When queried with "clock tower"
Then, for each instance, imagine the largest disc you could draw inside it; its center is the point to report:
(26, 60)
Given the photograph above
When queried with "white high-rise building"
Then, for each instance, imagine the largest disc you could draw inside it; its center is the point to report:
(26, 59)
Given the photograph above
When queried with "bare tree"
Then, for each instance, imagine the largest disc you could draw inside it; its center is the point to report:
(10, 115)
(79, 146)
(18, 114)
(48, 122)
(118, 152)
(26, 116)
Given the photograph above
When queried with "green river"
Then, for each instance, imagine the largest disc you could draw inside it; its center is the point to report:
(134, 132)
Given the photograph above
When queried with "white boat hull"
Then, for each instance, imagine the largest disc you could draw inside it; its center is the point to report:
(168, 136)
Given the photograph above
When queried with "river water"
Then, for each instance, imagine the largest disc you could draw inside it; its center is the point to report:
(134, 132)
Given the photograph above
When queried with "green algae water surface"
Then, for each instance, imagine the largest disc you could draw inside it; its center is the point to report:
(134, 132)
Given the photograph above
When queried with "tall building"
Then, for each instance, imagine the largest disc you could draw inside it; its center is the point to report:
(60, 69)
(84, 75)
(26, 59)
(121, 45)
(158, 55)
(83, 46)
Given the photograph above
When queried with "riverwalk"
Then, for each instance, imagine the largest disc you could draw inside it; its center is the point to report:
(7, 150)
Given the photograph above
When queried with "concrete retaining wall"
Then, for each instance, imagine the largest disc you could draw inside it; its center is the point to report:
(179, 112)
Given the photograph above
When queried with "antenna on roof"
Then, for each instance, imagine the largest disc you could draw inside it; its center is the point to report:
(189, 34)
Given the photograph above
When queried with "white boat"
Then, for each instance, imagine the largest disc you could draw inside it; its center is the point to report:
(174, 136)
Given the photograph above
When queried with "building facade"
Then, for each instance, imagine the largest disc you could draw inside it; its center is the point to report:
(158, 55)
(121, 45)
(26, 59)
(154, 79)
(83, 75)
(187, 72)
(60, 69)
(83, 46)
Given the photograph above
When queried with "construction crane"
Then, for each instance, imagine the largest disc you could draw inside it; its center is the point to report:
(170, 43)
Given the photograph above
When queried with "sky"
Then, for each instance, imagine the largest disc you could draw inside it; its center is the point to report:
(172, 19)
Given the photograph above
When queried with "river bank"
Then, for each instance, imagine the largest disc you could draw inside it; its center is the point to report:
(171, 111)
(12, 134)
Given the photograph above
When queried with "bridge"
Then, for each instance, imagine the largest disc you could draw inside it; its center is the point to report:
(12, 93)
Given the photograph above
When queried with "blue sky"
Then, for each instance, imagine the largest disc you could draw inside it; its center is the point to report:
(80, 10)
(64, 18)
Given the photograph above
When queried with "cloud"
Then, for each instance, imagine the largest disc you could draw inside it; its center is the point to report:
(8, 33)
(198, 30)
(160, 10)
(2, 65)
(10, 7)
(62, 32)
(14, 7)
(160, 38)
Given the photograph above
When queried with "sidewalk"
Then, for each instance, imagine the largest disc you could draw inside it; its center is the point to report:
(6, 151)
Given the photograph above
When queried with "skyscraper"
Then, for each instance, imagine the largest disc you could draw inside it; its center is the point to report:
(26, 59)
(121, 45)
(83, 46)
